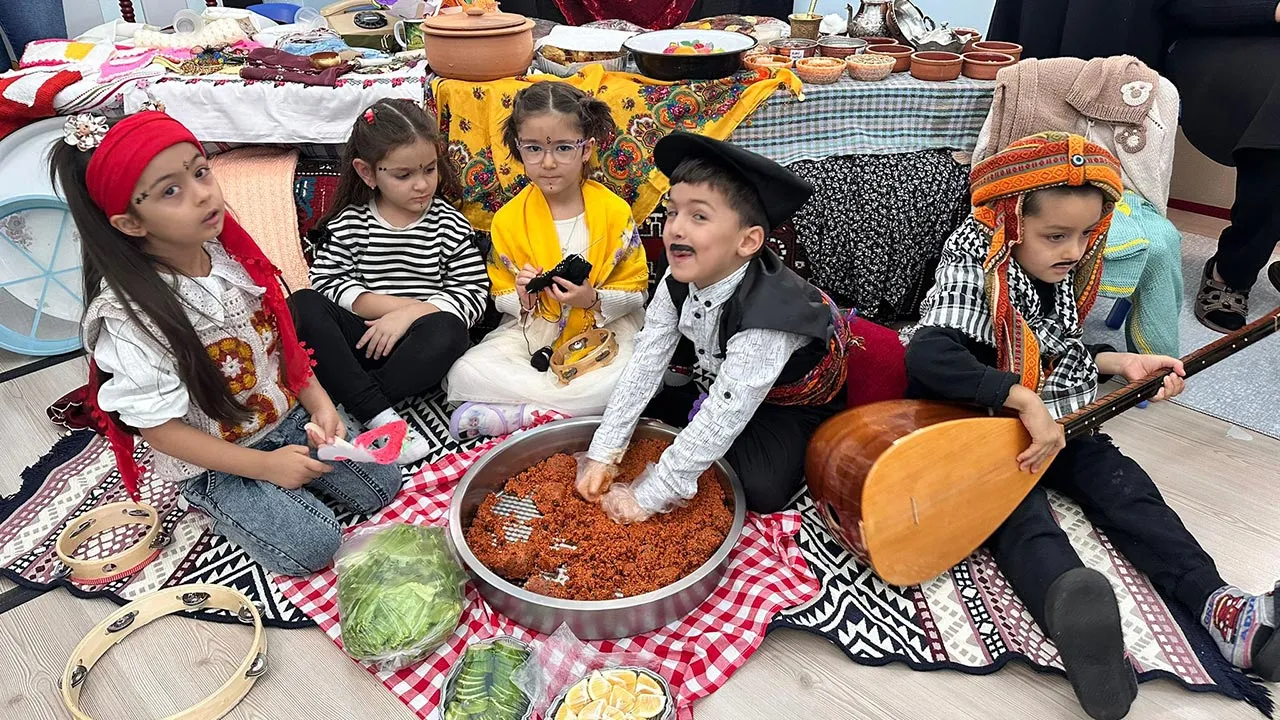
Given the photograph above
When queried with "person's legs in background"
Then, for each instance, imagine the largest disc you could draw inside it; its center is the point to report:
(29, 20)
(1245, 246)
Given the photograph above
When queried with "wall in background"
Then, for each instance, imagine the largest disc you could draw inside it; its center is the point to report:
(956, 13)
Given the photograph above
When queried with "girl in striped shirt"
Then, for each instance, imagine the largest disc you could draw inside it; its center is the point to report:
(398, 281)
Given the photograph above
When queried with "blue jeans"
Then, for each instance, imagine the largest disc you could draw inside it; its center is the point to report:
(290, 531)
(27, 20)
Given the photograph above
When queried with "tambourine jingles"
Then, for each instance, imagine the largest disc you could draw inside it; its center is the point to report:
(583, 353)
(99, 571)
(119, 624)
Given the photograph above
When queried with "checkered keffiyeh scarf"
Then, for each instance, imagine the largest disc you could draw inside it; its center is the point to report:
(983, 293)
(958, 300)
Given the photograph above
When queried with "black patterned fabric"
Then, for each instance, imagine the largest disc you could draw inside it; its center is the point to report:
(874, 228)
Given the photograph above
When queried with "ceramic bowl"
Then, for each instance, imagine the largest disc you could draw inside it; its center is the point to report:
(820, 70)
(870, 67)
(984, 65)
(968, 35)
(881, 40)
(936, 66)
(839, 46)
(478, 46)
(768, 62)
(662, 55)
(1008, 48)
(900, 53)
(794, 48)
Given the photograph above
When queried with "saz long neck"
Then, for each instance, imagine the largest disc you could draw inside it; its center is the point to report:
(1104, 409)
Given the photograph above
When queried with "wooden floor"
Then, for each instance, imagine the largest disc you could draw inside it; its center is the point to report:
(1225, 483)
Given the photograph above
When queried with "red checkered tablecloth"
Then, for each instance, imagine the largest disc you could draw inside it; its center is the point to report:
(766, 574)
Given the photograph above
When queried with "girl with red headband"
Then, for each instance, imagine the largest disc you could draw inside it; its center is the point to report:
(192, 346)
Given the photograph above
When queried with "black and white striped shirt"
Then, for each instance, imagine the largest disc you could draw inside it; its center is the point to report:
(433, 260)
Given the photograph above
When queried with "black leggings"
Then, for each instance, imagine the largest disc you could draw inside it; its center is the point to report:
(366, 387)
(1246, 245)
(1120, 499)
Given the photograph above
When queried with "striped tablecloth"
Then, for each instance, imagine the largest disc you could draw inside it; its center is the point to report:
(896, 115)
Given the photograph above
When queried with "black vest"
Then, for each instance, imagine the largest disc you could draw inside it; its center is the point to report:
(770, 297)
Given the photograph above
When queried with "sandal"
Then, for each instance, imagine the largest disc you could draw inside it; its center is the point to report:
(1219, 307)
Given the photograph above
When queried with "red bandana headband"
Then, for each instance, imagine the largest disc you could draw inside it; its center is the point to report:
(113, 173)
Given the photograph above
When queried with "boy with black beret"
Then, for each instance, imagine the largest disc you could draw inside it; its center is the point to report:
(774, 344)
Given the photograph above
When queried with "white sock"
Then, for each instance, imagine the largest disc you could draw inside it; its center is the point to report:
(415, 446)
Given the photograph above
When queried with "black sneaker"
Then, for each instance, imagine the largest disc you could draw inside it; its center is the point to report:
(1219, 307)
(1273, 274)
(1084, 623)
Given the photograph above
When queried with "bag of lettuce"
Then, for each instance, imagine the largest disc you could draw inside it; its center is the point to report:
(400, 593)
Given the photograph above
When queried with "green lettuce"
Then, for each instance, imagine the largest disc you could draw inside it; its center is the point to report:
(399, 595)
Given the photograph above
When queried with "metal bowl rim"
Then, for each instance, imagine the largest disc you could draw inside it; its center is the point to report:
(474, 565)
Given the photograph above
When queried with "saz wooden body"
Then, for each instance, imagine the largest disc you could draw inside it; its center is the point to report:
(911, 487)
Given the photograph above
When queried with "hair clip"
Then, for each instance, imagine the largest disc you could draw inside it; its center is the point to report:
(151, 105)
(369, 116)
(84, 131)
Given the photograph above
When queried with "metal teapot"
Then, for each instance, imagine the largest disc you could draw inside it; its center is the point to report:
(871, 20)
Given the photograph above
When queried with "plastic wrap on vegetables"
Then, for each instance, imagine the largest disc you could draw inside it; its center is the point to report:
(400, 593)
(482, 686)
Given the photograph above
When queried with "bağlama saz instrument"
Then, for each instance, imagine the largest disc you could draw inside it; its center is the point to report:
(913, 487)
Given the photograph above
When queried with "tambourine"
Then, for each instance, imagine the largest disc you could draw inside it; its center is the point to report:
(119, 624)
(583, 353)
(100, 571)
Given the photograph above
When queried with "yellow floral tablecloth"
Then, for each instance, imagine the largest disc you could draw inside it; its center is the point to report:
(471, 116)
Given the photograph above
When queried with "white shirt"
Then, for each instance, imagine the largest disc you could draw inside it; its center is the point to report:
(145, 387)
(752, 362)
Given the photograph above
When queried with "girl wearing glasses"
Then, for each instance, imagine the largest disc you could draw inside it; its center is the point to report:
(554, 129)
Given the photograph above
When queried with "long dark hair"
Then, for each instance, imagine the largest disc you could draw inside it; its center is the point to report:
(395, 122)
(113, 259)
(594, 117)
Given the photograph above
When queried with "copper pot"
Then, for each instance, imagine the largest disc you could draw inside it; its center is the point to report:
(478, 46)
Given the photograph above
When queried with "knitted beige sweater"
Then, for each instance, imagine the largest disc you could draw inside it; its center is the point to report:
(1117, 102)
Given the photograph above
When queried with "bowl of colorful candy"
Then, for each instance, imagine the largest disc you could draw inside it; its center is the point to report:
(689, 54)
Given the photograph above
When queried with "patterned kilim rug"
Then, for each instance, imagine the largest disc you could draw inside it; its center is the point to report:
(970, 620)
(79, 474)
(966, 620)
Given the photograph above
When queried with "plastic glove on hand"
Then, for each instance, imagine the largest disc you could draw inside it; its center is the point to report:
(621, 506)
(594, 478)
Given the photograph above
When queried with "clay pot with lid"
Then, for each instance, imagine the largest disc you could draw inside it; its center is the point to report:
(478, 46)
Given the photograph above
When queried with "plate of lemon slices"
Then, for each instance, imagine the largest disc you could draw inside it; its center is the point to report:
(625, 693)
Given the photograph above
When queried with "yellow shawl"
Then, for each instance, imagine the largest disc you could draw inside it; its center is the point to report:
(471, 117)
(525, 233)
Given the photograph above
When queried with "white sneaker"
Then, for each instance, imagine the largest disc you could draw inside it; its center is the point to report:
(414, 449)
